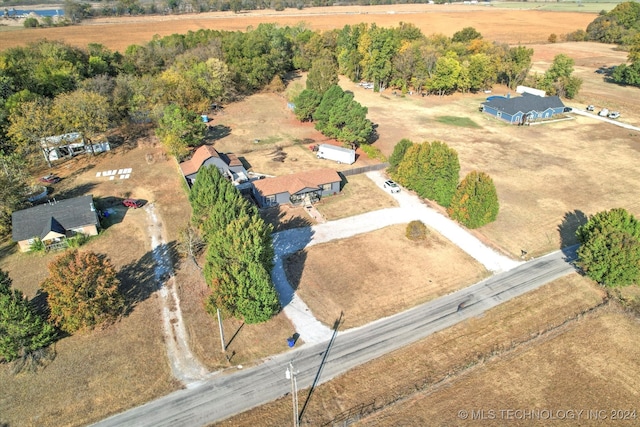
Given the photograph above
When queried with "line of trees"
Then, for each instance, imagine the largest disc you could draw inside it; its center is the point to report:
(432, 171)
(336, 114)
(239, 254)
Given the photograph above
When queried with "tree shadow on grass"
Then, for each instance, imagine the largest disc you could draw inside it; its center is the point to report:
(69, 193)
(141, 278)
(571, 221)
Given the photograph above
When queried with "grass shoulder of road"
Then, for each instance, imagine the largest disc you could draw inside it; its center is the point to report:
(443, 355)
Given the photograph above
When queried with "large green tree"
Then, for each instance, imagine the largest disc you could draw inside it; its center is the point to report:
(22, 331)
(399, 151)
(29, 123)
(239, 249)
(84, 112)
(475, 202)
(441, 176)
(306, 104)
(82, 291)
(558, 79)
(323, 74)
(179, 129)
(609, 250)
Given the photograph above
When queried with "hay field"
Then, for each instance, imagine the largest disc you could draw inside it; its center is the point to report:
(502, 25)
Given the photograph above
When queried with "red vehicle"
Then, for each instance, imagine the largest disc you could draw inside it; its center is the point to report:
(50, 179)
(132, 203)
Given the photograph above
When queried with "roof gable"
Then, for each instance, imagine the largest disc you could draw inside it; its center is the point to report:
(524, 104)
(297, 182)
(53, 217)
(200, 156)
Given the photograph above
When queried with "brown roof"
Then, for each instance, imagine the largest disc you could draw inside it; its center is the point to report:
(296, 182)
(233, 160)
(199, 157)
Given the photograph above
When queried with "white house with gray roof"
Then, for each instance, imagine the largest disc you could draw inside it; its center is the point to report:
(55, 221)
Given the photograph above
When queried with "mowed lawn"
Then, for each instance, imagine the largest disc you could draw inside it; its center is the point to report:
(378, 274)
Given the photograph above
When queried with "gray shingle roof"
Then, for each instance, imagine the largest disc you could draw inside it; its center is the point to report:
(525, 103)
(56, 216)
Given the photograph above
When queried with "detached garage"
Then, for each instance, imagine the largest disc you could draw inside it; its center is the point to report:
(523, 109)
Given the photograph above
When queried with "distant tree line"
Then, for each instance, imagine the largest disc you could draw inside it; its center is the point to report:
(620, 26)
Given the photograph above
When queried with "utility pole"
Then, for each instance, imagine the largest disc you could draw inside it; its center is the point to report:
(224, 347)
(291, 374)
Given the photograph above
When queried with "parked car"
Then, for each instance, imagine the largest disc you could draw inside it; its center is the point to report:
(604, 112)
(132, 203)
(391, 186)
(614, 115)
(50, 179)
(590, 108)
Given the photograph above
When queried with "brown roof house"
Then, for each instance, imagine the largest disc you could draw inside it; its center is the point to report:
(228, 165)
(296, 189)
(53, 222)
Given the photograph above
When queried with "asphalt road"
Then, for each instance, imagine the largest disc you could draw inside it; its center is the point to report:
(227, 394)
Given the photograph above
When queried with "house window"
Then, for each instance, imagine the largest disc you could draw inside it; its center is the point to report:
(270, 200)
(326, 187)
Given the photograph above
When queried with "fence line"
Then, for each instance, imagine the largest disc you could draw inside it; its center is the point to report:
(363, 169)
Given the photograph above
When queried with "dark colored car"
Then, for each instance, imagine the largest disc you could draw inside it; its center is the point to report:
(132, 203)
(50, 179)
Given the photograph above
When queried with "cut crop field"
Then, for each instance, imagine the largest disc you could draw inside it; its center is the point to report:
(537, 321)
(587, 376)
(502, 25)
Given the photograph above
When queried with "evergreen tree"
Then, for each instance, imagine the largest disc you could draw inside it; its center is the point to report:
(22, 331)
(398, 154)
(239, 249)
(610, 248)
(441, 174)
(407, 172)
(475, 203)
(82, 291)
(306, 104)
(323, 112)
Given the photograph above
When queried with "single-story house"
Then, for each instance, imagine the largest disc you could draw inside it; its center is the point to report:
(55, 221)
(523, 109)
(298, 188)
(228, 165)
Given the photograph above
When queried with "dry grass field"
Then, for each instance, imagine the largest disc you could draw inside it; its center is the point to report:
(503, 25)
(378, 274)
(592, 367)
(544, 175)
(99, 373)
(531, 321)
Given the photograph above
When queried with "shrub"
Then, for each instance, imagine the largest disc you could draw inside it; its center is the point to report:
(416, 230)
(373, 152)
(31, 23)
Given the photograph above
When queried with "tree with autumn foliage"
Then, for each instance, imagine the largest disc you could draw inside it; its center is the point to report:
(82, 291)
(475, 202)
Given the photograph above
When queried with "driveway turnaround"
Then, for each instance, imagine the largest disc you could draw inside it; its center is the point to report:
(410, 208)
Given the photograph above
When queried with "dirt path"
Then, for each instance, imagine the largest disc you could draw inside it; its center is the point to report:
(184, 365)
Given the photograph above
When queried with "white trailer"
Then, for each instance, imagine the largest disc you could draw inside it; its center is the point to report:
(339, 154)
